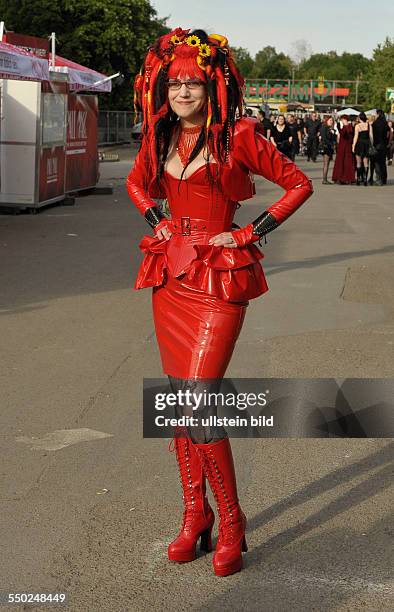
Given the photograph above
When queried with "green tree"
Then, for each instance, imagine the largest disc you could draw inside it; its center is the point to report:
(244, 61)
(327, 64)
(268, 64)
(381, 74)
(334, 67)
(356, 65)
(107, 35)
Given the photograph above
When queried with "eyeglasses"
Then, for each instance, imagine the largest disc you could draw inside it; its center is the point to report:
(175, 85)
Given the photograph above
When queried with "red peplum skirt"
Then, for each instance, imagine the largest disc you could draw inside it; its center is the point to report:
(200, 296)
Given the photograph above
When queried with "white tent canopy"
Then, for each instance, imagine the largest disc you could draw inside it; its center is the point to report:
(81, 77)
(16, 63)
(348, 111)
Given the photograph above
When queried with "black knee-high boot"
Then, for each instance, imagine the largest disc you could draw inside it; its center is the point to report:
(359, 175)
(365, 168)
(371, 171)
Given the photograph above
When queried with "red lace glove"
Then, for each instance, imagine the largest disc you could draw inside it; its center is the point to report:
(255, 230)
(160, 225)
(245, 235)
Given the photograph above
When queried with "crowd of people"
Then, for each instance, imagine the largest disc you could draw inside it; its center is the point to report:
(362, 145)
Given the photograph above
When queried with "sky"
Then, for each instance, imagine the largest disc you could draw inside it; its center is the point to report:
(340, 25)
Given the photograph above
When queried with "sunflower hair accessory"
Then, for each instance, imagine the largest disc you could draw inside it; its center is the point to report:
(194, 53)
(182, 37)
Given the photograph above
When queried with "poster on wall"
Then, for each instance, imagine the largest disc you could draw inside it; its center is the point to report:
(81, 149)
(52, 165)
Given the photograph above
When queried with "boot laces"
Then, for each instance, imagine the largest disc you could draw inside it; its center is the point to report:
(189, 492)
(227, 509)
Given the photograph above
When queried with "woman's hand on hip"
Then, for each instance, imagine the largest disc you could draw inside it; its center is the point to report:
(224, 239)
(162, 230)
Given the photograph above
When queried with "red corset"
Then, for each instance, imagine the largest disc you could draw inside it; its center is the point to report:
(199, 212)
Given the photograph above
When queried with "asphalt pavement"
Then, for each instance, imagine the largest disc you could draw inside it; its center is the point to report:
(88, 506)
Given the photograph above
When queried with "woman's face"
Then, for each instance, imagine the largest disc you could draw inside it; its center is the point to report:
(330, 122)
(281, 120)
(187, 102)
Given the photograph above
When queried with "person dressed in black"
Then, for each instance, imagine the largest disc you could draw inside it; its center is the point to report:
(281, 136)
(390, 148)
(312, 127)
(272, 119)
(362, 141)
(296, 135)
(267, 125)
(381, 137)
(328, 140)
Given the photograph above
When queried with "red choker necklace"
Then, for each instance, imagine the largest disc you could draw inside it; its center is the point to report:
(187, 140)
(196, 129)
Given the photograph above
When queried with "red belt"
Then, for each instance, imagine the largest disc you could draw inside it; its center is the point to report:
(187, 226)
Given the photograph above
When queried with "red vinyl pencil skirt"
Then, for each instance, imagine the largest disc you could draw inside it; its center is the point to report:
(196, 332)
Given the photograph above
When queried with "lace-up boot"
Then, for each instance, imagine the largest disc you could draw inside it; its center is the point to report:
(218, 466)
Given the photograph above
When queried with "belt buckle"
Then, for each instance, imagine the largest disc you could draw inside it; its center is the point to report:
(185, 226)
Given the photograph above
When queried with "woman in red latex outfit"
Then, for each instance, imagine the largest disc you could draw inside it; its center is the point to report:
(199, 156)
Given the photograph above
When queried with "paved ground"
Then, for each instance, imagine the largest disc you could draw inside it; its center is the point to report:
(89, 511)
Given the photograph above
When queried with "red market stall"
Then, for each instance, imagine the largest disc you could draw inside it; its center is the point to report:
(82, 122)
(49, 142)
(19, 70)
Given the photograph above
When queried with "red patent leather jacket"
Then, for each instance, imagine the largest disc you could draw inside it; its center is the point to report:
(232, 274)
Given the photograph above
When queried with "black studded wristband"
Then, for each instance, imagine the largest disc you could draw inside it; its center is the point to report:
(153, 216)
(264, 224)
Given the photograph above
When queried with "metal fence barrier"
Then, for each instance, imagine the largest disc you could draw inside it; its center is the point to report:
(114, 127)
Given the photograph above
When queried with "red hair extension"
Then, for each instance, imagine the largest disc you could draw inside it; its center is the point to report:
(234, 70)
(216, 131)
(209, 116)
(222, 94)
(185, 54)
(155, 71)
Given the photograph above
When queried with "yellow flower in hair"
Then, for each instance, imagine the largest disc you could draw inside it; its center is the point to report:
(201, 62)
(193, 41)
(176, 40)
(205, 51)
